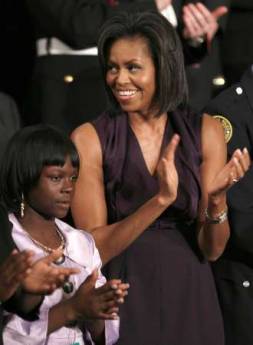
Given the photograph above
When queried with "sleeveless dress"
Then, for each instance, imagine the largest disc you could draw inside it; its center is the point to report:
(172, 298)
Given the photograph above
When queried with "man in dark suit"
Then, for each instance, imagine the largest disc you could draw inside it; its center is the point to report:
(234, 270)
(67, 87)
(205, 77)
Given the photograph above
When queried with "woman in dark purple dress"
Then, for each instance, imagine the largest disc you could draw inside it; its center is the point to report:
(152, 187)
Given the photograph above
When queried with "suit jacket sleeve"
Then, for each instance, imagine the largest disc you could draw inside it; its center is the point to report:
(77, 22)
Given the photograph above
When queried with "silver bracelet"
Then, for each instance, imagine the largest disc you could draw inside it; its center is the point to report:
(219, 219)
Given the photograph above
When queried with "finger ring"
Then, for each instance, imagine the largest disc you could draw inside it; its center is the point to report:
(234, 180)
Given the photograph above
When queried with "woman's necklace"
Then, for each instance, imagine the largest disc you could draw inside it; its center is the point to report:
(68, 286)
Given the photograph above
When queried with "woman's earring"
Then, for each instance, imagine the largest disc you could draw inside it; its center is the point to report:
(22, 206)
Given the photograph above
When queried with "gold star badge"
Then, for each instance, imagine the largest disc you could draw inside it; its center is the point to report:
(227, 127)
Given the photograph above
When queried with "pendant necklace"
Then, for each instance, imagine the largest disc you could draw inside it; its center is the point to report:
(67, 286)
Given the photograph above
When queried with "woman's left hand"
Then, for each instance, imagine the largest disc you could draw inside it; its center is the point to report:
(232, 172)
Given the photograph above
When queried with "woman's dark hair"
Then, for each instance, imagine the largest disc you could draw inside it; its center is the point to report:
(166, 52)
(28, 151)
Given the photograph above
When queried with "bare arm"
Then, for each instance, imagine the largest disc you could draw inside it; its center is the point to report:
(216, 177)
(89, 207)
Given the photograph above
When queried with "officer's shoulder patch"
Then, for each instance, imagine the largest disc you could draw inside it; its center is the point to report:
(227, 126)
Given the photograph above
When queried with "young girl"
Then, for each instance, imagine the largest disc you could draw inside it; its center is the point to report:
(37, 182)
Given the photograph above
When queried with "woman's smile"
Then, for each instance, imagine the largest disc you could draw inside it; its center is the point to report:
(125, 95)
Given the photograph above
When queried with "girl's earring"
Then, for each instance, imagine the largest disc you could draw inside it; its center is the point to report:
(22, 206)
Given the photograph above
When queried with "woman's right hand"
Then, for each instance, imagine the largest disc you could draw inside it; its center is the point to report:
(167, 173)
(90, 303)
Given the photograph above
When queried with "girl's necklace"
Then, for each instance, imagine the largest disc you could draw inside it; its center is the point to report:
(68, 286)
(49, 250)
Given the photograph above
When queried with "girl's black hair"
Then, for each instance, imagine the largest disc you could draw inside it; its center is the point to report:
(28, 151)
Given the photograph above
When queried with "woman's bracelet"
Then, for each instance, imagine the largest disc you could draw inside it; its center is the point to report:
(219, 219)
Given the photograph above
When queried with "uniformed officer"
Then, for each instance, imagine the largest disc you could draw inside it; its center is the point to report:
(234, 270)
